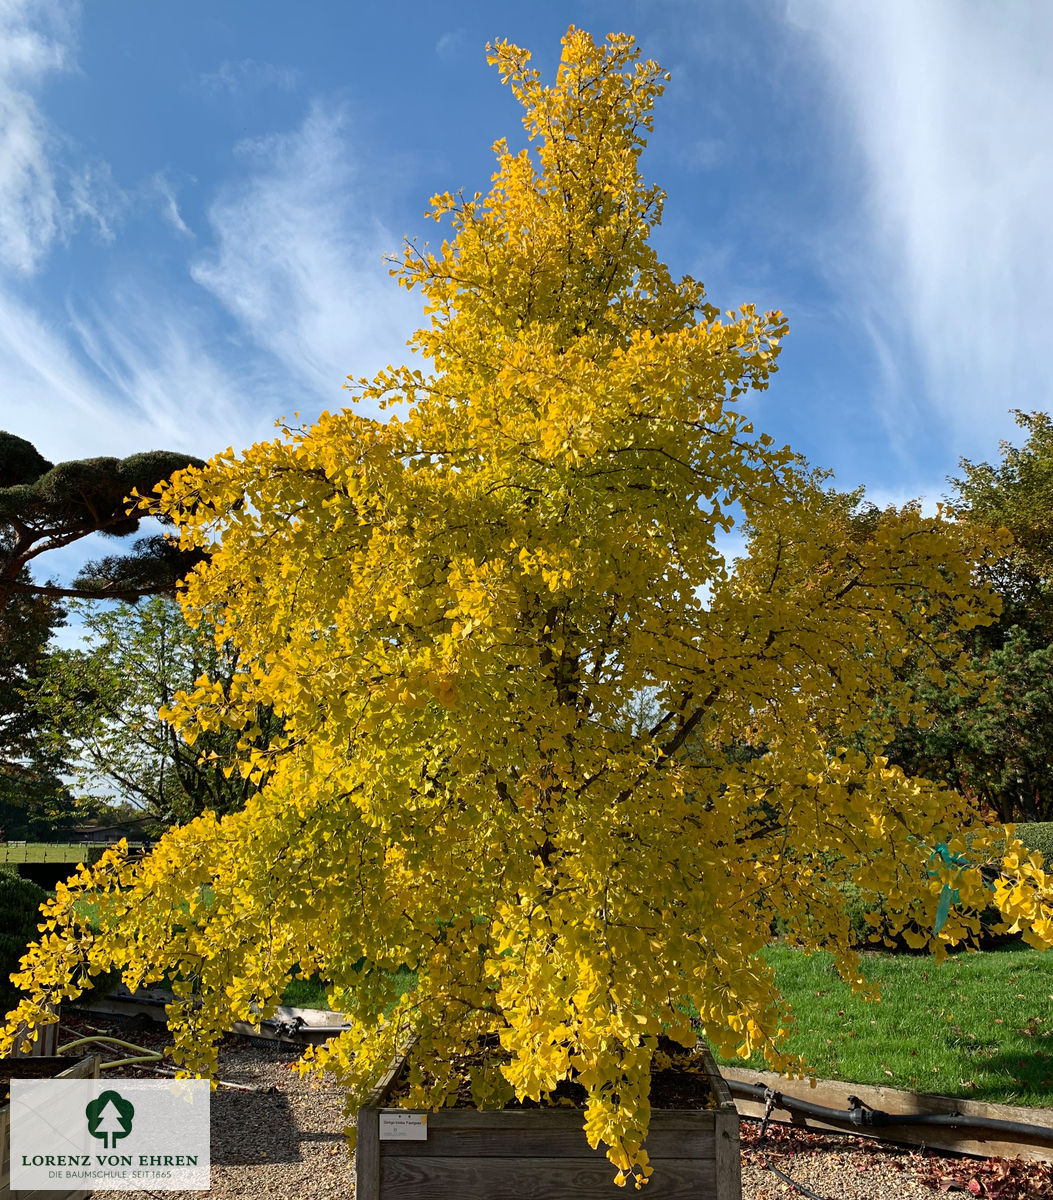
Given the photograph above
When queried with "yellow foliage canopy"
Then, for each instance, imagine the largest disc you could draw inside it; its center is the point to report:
(453, 610)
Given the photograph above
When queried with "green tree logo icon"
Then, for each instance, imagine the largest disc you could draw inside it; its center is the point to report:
(110, 1117)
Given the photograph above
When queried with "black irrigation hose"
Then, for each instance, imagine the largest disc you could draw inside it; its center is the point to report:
(803, 1188)
(859, 1116)
(771, 1099)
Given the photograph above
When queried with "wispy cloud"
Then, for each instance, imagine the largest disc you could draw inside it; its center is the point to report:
(296, 293)
(159, 189)
(132, 371)
(930, 494)
(248, 75)
(96, 199)
(44, 196)
(451, 45)
(298, 259)
(33, 44)
(176, 383)
(129, 370)
(950, 265)
(49, 395)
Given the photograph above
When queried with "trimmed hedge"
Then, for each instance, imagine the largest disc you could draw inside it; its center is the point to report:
(1037, 835)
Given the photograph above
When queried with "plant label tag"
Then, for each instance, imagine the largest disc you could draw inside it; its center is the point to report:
(403, 1127)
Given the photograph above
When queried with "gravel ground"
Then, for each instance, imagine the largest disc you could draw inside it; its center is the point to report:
(834, 1166)
(285, 1139)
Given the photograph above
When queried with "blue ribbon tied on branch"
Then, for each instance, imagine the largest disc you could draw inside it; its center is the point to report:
(949, 895)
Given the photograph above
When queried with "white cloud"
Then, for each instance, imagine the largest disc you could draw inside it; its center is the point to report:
(951, 265)
(42, 198)
(62, 566)
(929, 494)
(29, 208)
(48, 396)
(160, 189)
(35, 37)
(451, 45)
(248, 75)
(131, 366)
(170, 379)
(32, 45)
(96, 198)
(132, 371)
(298, 260)
(139, 374)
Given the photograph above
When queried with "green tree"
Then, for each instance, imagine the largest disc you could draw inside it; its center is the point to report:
(1017, 494)
(45, 507)
(101, 702)
(988, 725)
(33, 797)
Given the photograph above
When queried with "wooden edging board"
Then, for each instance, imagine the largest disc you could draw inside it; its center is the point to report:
(832, 1093)
(319, 1024)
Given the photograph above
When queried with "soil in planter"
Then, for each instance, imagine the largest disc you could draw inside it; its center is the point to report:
(679, 1079)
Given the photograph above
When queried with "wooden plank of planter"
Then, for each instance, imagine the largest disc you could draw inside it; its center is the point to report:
(727, 1152)
(412, 1178)
(832, 1093)
(558, 1117)
(65, 1068)
(367, 1139)
(539, 1132)
(367, 1155)
(45, 1044)
(728, 1156)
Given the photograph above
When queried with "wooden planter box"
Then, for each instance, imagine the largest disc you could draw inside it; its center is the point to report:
(37, 1067)
(542, 1154)
(44, 1045)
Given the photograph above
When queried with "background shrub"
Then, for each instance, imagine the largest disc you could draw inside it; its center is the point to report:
(20, 901)
(1036, 835)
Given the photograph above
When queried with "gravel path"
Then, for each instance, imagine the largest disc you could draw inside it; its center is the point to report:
(285, 1139)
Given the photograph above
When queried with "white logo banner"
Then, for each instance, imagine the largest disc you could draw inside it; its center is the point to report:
(126, 1134)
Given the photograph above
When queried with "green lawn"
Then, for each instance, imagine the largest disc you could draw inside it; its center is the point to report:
(46, 852)
(979, 1025)
(309, 993)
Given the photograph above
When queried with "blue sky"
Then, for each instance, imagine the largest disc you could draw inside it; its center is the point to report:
(195, 200)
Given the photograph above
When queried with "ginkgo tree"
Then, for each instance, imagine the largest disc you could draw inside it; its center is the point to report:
(453, 607)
